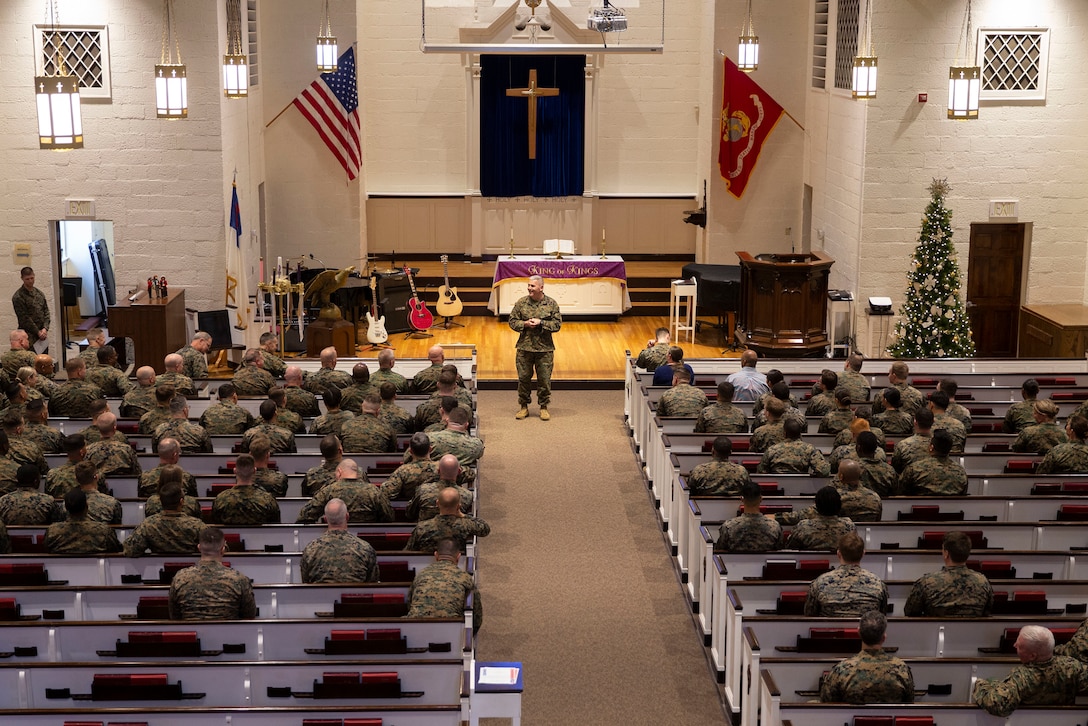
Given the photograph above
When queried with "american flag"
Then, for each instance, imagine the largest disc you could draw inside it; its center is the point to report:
(331, 105)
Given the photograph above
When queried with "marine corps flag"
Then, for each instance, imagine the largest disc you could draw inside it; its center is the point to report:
(749, 115)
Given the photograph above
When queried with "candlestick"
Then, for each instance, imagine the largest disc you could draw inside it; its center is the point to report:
(603, 254)
(511, 243)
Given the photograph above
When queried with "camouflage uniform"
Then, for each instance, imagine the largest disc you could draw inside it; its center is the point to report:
(194, 364)
(25, 451)
(1069, 458)
(103, 508)
(793, 457)
(878, 475)
(182, 383)
(112, 381)
(31, 310)
(955, 430)
(193, 438)
(273, 364)
(81, 537)
(467, 448)
(910, 399)
(847, 437)
(210, 591)
(328, 378)
(383, 375)
(961, 414)
(650, 358)
(871, 676)
(137, 402)
(682, 399)
(953, 592)
(62, 480)
(1055, 682)
(288, 419)
(331, 423)
(353, 395)
(272, 481)
(73, 399)
(46, 437)
(12, 360)
(840, 454)
(860, 504)
(767, 436)
(1040, 438)
(283, 441)
(408, 477)
(339, 556)
(90, 357)
(721, 418)
(364, 501)
(149, 483)
(226, 417)
(368, 434)
(846, 592)
(154, 418)
(114, 457)
(189, 505)
(427, 534)
(440, 590)
(749, 533)
(856, 384)
(320, 476)
(8, 471)
(536, 349)
(821, 404)
(29, 507)
(894, 422)
(252, 381)
(397, 418)
(424, 505)
(430, 411)
(761, 402)
(836, 421)
(165, 533)
(1019, 416)
(935, 475)
(426, 381)
(5, 540)
(909, 450)
(793, 412)
(245, 504)
(819, 533)
(1077, 647)
(301, 401)
(718, 478)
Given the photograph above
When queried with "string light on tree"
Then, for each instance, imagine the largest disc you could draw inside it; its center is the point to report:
(933, 320)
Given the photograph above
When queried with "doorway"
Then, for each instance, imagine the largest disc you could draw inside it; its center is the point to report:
(83, 280)
(996, 280)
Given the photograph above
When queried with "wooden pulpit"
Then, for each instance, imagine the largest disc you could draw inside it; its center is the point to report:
(783, 309)
(156, 326)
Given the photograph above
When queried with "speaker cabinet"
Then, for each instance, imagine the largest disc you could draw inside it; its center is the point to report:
(394, 292)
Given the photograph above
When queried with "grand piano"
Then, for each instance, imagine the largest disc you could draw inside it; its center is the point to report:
(719, 292)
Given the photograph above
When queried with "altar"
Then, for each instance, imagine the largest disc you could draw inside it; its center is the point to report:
(581, 284)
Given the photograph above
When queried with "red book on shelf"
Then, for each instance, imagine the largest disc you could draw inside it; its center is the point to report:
(381, 677)
(348, 635)
(383, 634)
(345, 679)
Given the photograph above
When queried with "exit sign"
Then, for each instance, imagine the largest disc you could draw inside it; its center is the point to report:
(1004, 209)
(79, 209)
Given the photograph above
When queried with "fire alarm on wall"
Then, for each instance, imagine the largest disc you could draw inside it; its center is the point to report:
(923, 97)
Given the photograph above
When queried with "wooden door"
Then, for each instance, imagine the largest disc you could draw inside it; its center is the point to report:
(995, 271)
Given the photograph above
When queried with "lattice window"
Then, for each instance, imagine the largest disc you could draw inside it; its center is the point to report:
(85, 50)
(1014, 63)
(819, 43)
(846, 42)
(251, 32)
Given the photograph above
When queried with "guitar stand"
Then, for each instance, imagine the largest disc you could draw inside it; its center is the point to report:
(373, 346)
(448, 323)
(417, 334)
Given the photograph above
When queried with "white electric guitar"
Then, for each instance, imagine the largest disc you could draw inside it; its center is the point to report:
(375, 326)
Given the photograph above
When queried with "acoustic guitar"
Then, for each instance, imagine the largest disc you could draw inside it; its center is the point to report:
(375, 326)
(420, 317)
(448, 305)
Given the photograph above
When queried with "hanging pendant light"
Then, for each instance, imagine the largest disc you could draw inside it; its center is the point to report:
(326, 44)
(171, 83)
(60, 121)
(964, 81)
(864, 83)
(235, 61)
(748, 48)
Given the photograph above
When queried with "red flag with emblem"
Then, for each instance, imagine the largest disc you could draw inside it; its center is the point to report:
(749, 114)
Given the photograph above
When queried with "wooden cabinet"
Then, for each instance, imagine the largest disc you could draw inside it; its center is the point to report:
(157, 327)
(1053, 331)
(784, 303)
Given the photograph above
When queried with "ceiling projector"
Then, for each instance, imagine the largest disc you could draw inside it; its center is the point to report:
(606, 19)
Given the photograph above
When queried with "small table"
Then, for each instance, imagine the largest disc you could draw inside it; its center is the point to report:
(495, 700)
(685, 295)
(582, 285)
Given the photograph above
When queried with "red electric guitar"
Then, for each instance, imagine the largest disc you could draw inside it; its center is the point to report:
(420, 317)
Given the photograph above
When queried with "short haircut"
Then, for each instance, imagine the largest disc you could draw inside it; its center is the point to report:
(923, 417)
(74, 365)
(73, 442)
(105, 353)
(791, 427)
(165, 393)
(336, 512)
(829, 379)
(775, 376)
(447, 547)
(211, 540)
(12, 420)
(85, 472)
(388, 390)
(949, 386)
(329, 446)
(277, 394)
(332, 397)
(958, 546)
(941, 442)
(260, 446)
(893, 397)
(27, 476)
(1078, 424)
(360, 373)
(939, 399)
(661, 333)
(178, 405)
(203, 335)
(26, 271)
(725, 392)
(851, 547)
(267, 337)
(901, 370)
(448, 404)
(168, 446)
(171, 473)
(244, 466)
(170, 494)
(227, 390)
(1038, 640)
(871, 627)
(75, 501)
(864, 412)
(461, 416)
(348, 466)
(373, 400)
(866, 444)
(751, 492)
(781, 391)
(828, 502)
(252, 356)
(775, 406)
(447, 378)
(99, 406)
(681, 375)
(268, 409)
(723, 447)
(1030, 387)
(419, 444)
(854, 361)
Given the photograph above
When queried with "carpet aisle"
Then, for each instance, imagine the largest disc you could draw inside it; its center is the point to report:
(575, 576)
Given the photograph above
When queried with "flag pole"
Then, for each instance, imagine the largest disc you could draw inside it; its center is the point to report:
(791, 118)
(289, 105)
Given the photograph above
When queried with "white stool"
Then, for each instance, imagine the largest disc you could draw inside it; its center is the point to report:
(495, 700)
(684, 292)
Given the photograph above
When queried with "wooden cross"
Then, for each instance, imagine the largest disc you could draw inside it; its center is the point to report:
(531, 93)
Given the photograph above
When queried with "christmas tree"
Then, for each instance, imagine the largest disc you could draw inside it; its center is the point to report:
(933, 321)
